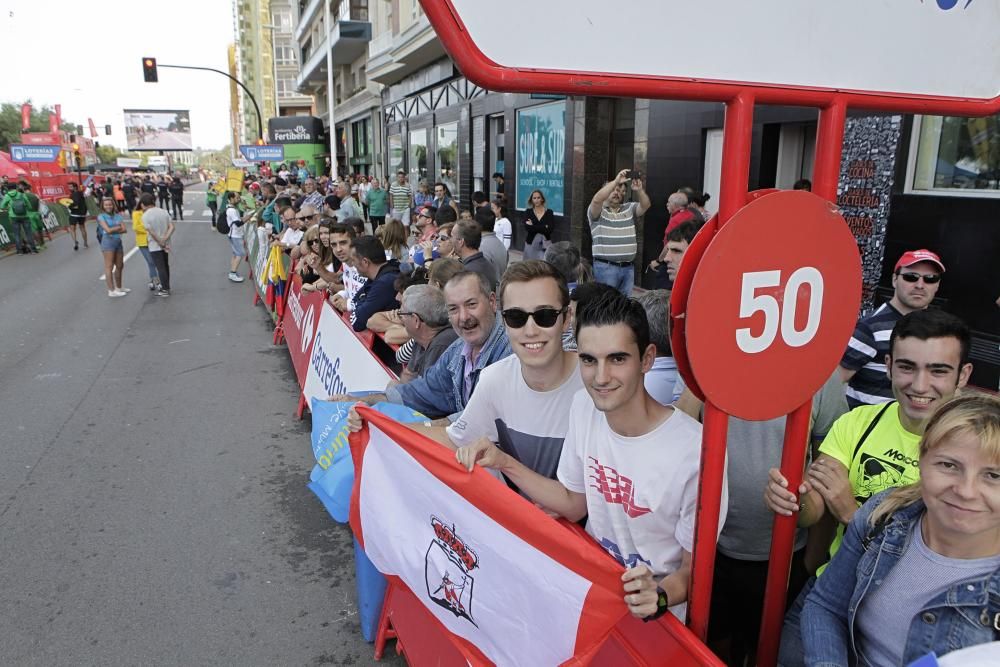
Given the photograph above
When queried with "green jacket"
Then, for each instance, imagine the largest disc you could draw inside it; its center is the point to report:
(211, 196)
(9, 199)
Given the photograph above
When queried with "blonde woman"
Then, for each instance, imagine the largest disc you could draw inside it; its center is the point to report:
(919, 568)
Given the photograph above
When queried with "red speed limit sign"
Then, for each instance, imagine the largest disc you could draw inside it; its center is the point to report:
(772, 305)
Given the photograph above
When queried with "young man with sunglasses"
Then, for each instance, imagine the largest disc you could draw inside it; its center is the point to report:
(915, 280)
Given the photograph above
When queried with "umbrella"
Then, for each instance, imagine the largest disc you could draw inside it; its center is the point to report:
(10, 169)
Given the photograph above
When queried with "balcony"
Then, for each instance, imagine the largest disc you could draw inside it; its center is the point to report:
(349, 41)
(392, 57)
(306, 18)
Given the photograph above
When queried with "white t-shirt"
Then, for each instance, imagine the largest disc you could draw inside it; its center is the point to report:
(291, 237)
(641, 491)
(232, 217)
(527, 424)
(503, 230)
(353, 282)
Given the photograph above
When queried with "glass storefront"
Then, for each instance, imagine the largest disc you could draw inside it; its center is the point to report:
(417, 156)
(447, 156)
(956, 154)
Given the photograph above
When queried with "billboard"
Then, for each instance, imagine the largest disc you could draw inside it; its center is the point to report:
(541, 153)
(158, 129)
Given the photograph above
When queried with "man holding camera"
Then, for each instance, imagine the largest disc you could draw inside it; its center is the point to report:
(612, 228)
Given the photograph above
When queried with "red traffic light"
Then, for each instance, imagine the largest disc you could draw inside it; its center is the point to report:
(149, 74)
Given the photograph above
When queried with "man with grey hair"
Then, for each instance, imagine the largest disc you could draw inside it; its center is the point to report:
(348, 204)
(566, 258)
(662, 377)
(311, 196)
(424, 314)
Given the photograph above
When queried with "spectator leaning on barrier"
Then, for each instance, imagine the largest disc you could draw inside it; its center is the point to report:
(467, 236)
(612, 228)
(424, 313)
(446, 387)
(629, 464)
(915, 281)
(522, 404)
(492, 247)
(875, 447)
(377, 294)
(159, 229)
(353, 281)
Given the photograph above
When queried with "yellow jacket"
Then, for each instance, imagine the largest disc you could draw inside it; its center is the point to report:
(137, 227)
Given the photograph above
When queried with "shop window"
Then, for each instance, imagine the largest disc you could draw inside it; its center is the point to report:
(417, 156)
(447, 156)
(395, 154)
(951, 155)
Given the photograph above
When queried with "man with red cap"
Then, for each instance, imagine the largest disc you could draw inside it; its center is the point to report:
(915, 279)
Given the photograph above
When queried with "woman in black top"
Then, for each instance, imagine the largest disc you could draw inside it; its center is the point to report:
(538, 223)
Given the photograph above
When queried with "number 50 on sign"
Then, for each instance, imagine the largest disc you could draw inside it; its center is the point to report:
(772, 305)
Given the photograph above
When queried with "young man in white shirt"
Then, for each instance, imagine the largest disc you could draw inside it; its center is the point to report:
(235, 221)
(628, 463)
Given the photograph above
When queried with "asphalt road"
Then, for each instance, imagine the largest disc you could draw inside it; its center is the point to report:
(153, 507)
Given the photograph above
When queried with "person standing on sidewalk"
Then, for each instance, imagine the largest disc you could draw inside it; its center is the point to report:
(111, 226)
(17, 207)
(377, 199)
(612, 228)
(212, 201)
(77, 215)
(159, 228)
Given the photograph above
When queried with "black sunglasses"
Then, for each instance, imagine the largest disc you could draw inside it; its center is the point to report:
(546, 318)
(912, 277)
(314, 241)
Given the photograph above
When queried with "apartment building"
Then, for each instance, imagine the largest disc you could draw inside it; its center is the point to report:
(284, 18)
(334, 35)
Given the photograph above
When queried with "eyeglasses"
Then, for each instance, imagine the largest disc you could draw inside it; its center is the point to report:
(443, 237)
(403, 313)
(546, 318)
(314, 241)
(304, 217)
(912, 277)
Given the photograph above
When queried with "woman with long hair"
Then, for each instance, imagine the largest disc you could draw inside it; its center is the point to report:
(502, 228)
(919, 568)
(394, 240)
(309, 262)
(538, 222)
(111, 225)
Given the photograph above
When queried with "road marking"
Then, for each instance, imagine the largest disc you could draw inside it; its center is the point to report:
(182, 340)
(188, 212)
(207, 213)
(127, 255)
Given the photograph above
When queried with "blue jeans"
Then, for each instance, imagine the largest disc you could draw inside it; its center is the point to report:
(791, 652)
(153, 277)
(23, 236)
(620, 277)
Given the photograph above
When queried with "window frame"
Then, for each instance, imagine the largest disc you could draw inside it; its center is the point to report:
(911, 172)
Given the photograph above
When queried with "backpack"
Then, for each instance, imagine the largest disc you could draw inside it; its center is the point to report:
(221, 223)
(18, 206)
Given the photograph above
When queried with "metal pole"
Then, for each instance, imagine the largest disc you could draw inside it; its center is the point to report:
(829, 142)
(736, 140)
(260, 124)
(329, 90)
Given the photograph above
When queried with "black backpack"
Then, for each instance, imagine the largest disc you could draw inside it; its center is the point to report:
(221, 223)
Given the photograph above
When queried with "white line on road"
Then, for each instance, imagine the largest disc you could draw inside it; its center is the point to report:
(182, 340)
(127, 255)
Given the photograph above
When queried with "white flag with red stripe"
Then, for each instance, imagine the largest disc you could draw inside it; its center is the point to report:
(495, 570)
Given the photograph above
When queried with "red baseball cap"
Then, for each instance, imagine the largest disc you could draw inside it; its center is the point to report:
(912, 257)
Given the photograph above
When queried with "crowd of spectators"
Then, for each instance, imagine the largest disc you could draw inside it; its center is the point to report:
(551, 372)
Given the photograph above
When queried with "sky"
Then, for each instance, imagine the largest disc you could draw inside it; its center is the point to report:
(87, 56)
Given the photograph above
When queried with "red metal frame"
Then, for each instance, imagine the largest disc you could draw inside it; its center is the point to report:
(739, 98)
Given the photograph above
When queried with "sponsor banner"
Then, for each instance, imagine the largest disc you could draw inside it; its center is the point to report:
(477, 555)
(267, 152)
(340, 363)
(34, 153)
(234, 180)
(541, 153)
(130, 162)
(300, 322)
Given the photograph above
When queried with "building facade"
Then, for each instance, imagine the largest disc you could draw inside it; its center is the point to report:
(333, 35)
(255, 62)
(290, 102)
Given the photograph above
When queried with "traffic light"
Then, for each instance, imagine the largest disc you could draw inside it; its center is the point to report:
(260, 142)
(77, 157)
(149, 70)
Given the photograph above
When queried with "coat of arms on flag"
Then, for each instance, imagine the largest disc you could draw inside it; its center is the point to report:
(448, 564)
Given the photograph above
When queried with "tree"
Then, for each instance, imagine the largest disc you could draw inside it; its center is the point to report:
(107, 154)
(10, 123)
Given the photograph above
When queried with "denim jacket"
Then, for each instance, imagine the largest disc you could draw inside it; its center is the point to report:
(962, 616)
(440, 392)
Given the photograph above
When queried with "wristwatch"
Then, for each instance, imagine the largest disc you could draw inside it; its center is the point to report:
(662, 605)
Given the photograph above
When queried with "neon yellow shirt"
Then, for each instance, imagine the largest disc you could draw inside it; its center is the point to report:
(887, 459)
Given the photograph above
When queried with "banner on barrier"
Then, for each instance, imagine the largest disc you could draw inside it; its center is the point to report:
(339, 362)
(300, 322)
(483, 560)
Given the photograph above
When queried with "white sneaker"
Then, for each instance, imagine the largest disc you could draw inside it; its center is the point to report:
(152, 287)
(114, 294)
(235, 277)
(126, 290)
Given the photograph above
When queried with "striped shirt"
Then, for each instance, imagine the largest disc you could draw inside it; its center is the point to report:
(400, 196)
(613, 233)
(866, 354)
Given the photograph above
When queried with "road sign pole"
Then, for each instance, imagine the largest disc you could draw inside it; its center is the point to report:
(736, 140)
(829, 145)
